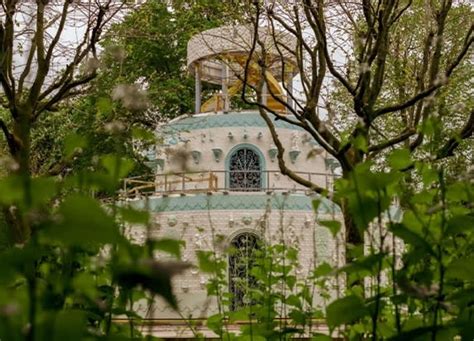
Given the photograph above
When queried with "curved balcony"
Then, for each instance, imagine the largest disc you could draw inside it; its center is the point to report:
(221, 181)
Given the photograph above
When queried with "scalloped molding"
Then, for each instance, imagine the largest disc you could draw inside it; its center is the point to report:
(238, 202)
(241, 119)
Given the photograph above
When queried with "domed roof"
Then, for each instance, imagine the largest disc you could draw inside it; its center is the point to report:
(234, 43)
(220, 120)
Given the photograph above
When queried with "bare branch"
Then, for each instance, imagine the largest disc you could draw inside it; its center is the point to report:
(397, 139)
(465, 133)
(63, 92)
(27, 68)
(436, 85)
(43, 67)
(59, 31)
(321, 35)
(281, 162)
(12, 145)
(6, 52)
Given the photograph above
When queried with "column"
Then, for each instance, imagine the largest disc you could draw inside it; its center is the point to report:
(225, 87)
(264, 93)
(289, 87)
(197, 89)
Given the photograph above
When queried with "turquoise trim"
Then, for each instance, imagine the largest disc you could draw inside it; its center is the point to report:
(234, 119)
(253, 148)
(239, 202)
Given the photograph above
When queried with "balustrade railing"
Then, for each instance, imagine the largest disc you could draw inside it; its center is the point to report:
(220, 180)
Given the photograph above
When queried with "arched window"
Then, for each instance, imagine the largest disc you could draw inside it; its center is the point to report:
(242, 257)
(245, 170)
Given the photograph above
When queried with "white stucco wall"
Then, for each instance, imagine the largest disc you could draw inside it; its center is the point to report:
(281, 212)
(311, 157)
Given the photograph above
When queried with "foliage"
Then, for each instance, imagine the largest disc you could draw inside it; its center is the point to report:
(74, 274)
(411, 282)
(149, 48)
(79, 270)
(71, 138)
(449, 107)
(373, 76)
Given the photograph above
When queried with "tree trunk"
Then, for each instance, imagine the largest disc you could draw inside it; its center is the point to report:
(14, 228)
(16, 216)
(353, 236)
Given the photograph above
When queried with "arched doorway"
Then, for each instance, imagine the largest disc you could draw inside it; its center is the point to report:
(245, 170)
(242, 257)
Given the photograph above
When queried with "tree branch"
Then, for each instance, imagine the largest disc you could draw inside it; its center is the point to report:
(62, 93)
(281, 162)
(465, 133)
(27, 68)
(397, 139)
(321, 35)
(12, 145)
(6, 52)
(397, 107)
(43, 67)
(65, 83)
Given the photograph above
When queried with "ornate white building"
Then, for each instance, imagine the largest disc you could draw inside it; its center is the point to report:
(218, 183)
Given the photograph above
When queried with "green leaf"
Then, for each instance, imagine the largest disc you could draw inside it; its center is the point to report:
(292, 254)
(400, 159)
(134, 216)
(460, 224)
(82, 220)
(104, 106)
(323, 269)
(70, 325)
(215, 323)
(316, 203)
(206, 262)
(345, 310)
(367, 194)
(333, 225)
(424, 333)
(85, 283)
(364, 209)
(74, 144)
(290, 281)
(240, 315)
(458, 192)
(12, 190)
(294, 301)
(151, 275)
(321, 337)
(361, 143)
(367, 263)
(43, 190)
(298, 316)
(430, 126)
(171, 246)
(461, 269)
(20, 260)
(428, 174)
(118, 167)
(143, 134)
(411, 237)
(252, 337)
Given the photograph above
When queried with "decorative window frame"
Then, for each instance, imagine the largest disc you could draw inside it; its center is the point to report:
(230, 239)
(257, 151)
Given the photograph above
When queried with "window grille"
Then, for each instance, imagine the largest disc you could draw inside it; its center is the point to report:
(242, 258)
(245, 170)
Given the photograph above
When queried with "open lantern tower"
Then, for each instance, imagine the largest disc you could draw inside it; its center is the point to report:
(217, 182)
(220, 56)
